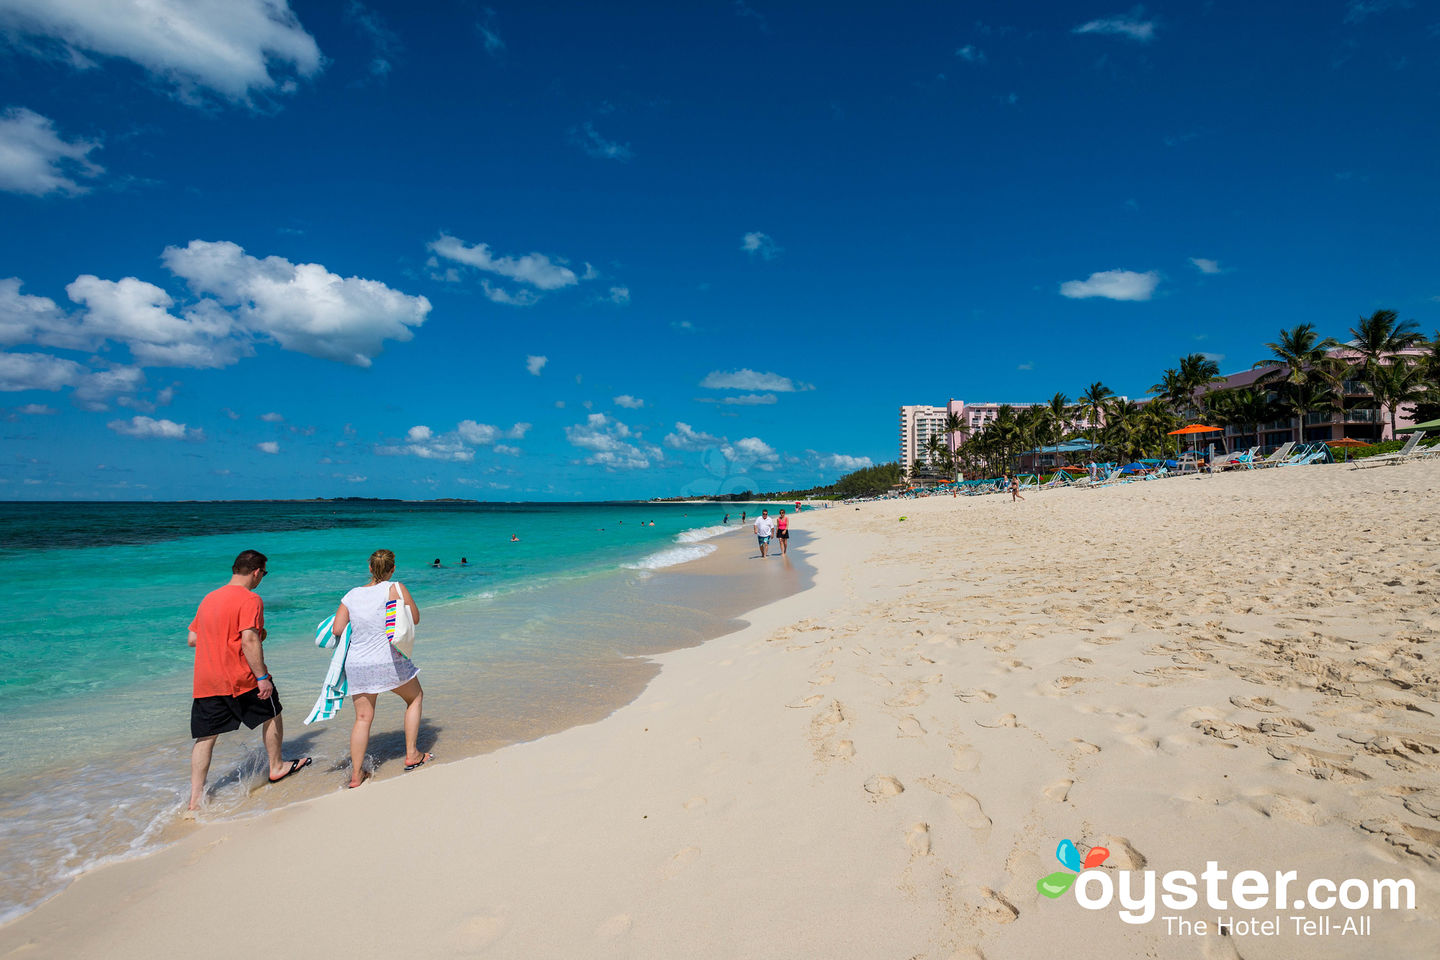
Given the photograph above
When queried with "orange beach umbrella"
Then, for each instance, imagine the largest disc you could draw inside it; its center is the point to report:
(1193, 429)
(1347, 443)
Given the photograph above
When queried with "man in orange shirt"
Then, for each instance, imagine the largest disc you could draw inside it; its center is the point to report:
(232, 685)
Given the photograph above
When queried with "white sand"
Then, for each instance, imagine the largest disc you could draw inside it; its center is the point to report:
(1239, 668)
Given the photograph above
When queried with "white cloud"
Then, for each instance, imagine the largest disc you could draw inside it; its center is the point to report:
(971, 54)
(149, 429)
(137, 314)
(303, 307)
(844, 463)
(37, 371)
(1025, 366)
(1122, 26)
(750, 452)
(29, 319)
(355, 478)
(612, 444)
(687, 437)
(35, 410)
(272, 417)
(34, 160)
(760, 245)
(597, 146)
(535, 269)
(746, 379)
(454, 446)
(1205, 266)
(619, 295)
(229, 47)
(268, 446)
(98, 387)
(1113, 285)
(750, 400)
(536, 364)
(629, 402)
(520, 298)
(508, 450)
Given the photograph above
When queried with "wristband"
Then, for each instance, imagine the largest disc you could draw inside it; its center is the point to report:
(266, 677)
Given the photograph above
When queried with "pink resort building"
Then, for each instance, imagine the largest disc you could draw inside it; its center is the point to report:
(918, 423)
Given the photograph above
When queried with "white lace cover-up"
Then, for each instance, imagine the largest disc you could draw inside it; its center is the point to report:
(373, 665)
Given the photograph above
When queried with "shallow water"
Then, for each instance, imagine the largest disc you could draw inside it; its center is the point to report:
(528, 638)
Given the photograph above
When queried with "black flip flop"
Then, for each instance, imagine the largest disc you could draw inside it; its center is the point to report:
(420, 762)
(295, 765)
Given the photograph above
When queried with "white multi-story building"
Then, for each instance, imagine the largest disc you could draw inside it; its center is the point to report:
(918, 424)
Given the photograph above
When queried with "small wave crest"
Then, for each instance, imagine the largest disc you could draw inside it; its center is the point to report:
(701, 533)
(671, 556)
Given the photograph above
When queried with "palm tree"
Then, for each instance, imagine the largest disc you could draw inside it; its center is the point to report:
(1170, 389)
(1092, 406)
(1397, 383)
(1197, 372)
(1123, 429)
(1307, 397)
(1294, 356)
(934, 447)
(1381, 335)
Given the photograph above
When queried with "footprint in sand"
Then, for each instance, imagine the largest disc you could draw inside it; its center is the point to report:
(1262, 704)
(912, 697)
(675, 865)
(1123, 855)
(1004, 720)
(1285, 727)
(966, 758)
(917, 838)
(695, 803)
(809, 701)
(910, 727)
(884, 787)
(971, 813)
(975, 695)
(1059, 790)
(822, 681)
(997, 907)
(616, 926)
(843, 749)
(1084, 746)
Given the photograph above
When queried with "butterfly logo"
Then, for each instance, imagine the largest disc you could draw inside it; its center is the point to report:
(1055, 885)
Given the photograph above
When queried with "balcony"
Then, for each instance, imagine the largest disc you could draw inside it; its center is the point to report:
(1312, 419)
(1358, 388)
(1363, 416)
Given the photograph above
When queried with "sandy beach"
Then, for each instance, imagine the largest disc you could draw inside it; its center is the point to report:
(1236, 669)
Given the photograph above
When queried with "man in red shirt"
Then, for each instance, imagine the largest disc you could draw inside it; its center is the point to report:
(232, 685)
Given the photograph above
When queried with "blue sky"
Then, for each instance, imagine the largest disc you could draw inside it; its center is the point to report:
(580, 251)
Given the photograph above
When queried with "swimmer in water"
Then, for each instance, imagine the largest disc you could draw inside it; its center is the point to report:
(514, 538)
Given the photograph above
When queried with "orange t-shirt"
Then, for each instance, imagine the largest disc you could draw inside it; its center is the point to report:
(220, 667)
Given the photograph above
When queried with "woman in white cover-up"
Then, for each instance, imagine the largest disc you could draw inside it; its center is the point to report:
(374, 665)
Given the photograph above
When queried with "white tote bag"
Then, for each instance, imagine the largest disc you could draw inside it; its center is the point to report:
(399, 625)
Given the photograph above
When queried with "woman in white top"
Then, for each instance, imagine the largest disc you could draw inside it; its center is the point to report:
(373, 665)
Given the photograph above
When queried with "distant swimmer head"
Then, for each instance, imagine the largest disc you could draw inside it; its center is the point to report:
(514, 538)
(382, 564)
(463, 560)
(435, 562)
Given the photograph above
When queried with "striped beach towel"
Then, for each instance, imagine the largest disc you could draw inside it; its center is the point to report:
(332, 695)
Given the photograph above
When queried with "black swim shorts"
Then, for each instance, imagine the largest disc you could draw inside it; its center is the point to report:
(211, 716)
(783, 534)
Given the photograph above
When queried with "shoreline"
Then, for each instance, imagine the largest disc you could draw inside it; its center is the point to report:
(520, 704)
(882, 764)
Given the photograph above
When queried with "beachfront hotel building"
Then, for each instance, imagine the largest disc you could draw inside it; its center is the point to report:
(918, 423)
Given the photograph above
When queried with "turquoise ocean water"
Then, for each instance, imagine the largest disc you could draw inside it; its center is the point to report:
(525, 638)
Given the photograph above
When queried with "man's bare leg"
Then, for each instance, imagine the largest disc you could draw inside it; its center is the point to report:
(272, 731)
(200, 768)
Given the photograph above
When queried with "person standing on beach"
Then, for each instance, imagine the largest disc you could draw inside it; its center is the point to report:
(374, 665)
(231, 684)
(764, 529)
(1015, 489)
(782, 532)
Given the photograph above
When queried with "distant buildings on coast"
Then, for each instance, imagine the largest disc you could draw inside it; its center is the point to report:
(1362, 419)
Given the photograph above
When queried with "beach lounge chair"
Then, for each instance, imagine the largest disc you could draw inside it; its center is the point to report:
(1245, 460)
(1404, 453)
(1276, 458)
